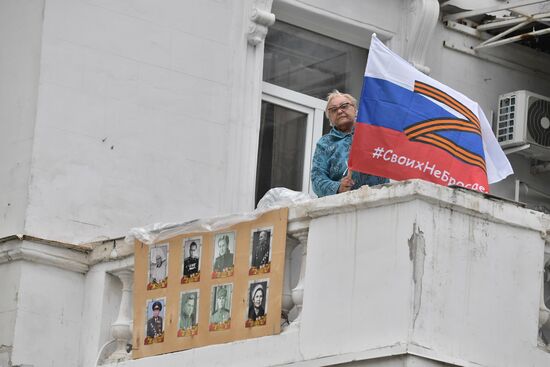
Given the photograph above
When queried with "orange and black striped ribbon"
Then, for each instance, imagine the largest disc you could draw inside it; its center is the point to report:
(426, 131)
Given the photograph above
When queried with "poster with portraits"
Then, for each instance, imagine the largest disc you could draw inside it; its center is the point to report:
(203, 288)
(191, 271)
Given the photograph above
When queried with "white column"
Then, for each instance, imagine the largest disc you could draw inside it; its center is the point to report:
(287, 302)
(122, 327)
(298, 291)
(416, 31)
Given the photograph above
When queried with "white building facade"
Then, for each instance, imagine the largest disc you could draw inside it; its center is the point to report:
(119, 114)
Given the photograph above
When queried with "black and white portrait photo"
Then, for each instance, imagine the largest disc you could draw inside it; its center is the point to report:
(260, 256)
(191, 259)
(220, 308)
(224, 250)
(257, 303)
(189, 313)
(154, 328)
(158, 266)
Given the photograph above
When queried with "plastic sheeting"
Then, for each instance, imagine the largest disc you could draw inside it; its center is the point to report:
(275, 198)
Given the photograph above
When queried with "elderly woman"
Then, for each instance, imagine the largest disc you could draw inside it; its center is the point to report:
(329, 172)
(256, 310)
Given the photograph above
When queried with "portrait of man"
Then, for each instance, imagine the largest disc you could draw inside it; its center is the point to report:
(191, 262)
(221, 305)
(223, 261)
(189, 308)
(158, 266)
(261, 248)
(257, 292)
(155, 322)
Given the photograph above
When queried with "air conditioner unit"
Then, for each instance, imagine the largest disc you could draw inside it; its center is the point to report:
(524, 119)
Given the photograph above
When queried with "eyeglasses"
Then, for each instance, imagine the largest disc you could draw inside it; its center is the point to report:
(344, 106)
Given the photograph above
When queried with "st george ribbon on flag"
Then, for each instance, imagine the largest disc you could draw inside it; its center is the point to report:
(412, 126)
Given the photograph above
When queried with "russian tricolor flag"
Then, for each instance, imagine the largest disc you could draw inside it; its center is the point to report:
(412, 126)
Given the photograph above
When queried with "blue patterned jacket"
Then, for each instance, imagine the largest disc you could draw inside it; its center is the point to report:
(330, 164)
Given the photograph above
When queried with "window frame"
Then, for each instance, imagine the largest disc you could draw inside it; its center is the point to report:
(313, 107)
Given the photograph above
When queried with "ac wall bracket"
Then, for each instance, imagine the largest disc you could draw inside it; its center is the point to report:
(516, 149)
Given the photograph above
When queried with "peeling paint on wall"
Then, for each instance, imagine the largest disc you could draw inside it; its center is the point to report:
(417, 254)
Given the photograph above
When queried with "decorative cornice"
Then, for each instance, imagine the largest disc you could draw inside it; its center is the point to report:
(423, 15)
(115, 253)
(45, 254)
(24, 237)
(260, 21)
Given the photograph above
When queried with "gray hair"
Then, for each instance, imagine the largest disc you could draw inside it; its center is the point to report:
(335, 93)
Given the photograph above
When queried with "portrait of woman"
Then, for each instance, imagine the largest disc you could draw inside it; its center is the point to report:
(257, 303)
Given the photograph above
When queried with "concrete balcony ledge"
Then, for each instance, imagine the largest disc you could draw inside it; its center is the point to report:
(463, 200)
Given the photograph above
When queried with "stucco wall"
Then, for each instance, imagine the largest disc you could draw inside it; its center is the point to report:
(11, 276)
(132, 119)
(480, 288)
(20, 37)
(49, 316)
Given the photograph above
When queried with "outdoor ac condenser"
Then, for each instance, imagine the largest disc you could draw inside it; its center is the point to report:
(524, 119)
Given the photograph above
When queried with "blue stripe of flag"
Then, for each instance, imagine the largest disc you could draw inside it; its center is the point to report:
(388, 105)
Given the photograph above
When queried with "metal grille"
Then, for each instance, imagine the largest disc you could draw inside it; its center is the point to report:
(506, 118)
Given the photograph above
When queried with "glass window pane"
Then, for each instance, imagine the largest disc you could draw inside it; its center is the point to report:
(311, 63)
(281, 149)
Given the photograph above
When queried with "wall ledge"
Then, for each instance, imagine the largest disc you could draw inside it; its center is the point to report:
(459, 199)
(45, 254)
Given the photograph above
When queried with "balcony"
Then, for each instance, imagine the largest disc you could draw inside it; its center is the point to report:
(404, 274)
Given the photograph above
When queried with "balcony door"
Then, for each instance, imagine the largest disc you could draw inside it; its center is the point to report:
(291, 123)
(300, 68)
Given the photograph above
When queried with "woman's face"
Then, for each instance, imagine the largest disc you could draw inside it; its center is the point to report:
(258, 298)
(342, 113)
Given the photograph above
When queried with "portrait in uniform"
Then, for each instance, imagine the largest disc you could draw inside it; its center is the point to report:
(191, 262)
(223, 253)
(257, 301)
(158, 266)
(189, 312)
(220, 311)
(155, 321)
(261, 248)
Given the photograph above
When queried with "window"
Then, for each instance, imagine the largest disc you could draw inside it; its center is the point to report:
(291, 123)
(300, 68)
